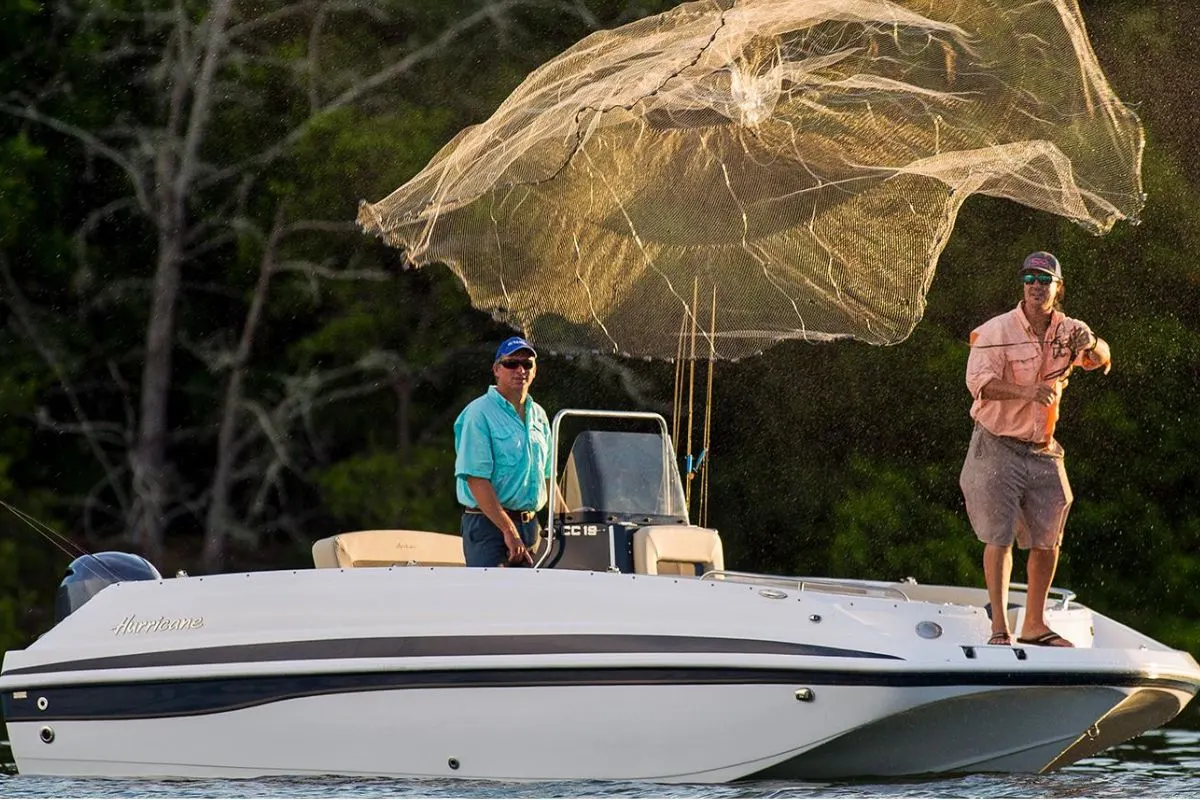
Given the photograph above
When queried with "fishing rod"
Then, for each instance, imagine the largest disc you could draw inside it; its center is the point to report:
(691, 394)
(694, 466)
(63, 543)
(708, 401)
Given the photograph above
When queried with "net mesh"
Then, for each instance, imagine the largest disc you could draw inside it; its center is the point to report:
(807, 158)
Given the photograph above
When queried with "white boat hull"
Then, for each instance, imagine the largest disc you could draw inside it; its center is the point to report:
(544, 675)
(585, 733)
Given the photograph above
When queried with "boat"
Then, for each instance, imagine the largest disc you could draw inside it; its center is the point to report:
(629, 652)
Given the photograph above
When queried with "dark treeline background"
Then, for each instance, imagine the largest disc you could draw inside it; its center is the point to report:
(203, 360)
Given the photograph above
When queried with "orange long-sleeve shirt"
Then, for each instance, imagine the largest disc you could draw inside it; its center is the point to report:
(1007, 348)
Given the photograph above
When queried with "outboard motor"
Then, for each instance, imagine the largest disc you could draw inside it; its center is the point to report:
(88, 574)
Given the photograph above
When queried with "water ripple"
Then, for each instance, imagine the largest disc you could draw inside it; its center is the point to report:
(1162, 763)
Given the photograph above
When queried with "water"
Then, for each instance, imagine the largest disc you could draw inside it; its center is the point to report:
(1162, 763)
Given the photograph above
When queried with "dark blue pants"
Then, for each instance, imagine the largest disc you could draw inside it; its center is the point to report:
(483, 543)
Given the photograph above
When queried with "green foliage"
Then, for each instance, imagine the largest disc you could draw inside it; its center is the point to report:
(17, 200)
(827, 459)
(347, 155)
(14, 596)
(382, 490)
(29, 570)
(855, 470)
(891, 524)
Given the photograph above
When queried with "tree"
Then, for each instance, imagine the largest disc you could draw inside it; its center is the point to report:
(177, 161)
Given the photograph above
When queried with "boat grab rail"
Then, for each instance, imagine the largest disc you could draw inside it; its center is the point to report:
(1065, 596)
(555, 428)
(858, 588)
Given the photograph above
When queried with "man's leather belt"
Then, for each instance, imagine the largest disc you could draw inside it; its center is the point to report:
(520, 517)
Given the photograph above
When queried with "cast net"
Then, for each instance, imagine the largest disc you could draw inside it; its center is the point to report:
(805, 158)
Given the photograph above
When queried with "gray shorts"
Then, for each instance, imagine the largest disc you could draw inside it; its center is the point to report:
(1015, 490)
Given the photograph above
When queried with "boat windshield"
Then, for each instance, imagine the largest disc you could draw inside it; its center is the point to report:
(624, 474)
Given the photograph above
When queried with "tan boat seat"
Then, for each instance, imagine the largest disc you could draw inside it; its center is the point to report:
(676, 550)
(388, 549)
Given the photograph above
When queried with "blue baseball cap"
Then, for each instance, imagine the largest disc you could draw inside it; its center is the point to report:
(512, 345)
(1042, 261)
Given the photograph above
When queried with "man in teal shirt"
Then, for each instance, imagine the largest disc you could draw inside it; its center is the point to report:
(502, 463)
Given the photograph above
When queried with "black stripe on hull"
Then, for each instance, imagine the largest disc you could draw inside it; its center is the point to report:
(159, 699)
(446, 646)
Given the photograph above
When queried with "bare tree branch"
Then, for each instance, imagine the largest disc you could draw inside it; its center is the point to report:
(91, 142)
(313, 61)
(585, 14)
(217, 521)
(322, 226)
(369, 84)
(199, 118)
(127, 403)
(201, 207)
(90, 222)
(101, 432)
(314, 270)
(87, 427)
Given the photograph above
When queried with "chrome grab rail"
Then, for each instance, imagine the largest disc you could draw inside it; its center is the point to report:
(829, 586)
(1065, 596)
(554, 441)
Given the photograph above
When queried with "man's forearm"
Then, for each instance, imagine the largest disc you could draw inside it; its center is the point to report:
(1100, 355)
(1040, 393)
(489, 504)
(997, 389)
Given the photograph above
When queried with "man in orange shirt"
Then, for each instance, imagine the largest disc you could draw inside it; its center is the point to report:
(1014, 480)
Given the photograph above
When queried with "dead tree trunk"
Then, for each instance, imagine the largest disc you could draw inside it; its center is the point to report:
(148, 457)
(175, 167)
(195, 195)
(218, 519)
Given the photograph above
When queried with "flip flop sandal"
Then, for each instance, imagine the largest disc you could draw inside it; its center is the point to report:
(1001, 639)
(1047, 639)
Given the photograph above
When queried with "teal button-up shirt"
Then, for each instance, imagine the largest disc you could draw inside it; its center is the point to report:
(491, 441)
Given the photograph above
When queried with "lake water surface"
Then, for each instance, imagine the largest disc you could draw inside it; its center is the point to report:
(1163, 763)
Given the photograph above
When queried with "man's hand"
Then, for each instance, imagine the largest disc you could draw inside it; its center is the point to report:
(489, 504)
(1040, 393)
(518, 553)
(1081, 339)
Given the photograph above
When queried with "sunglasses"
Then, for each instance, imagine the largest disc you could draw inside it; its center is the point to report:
(513, 363)
(1045, 280)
